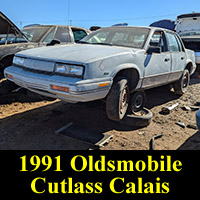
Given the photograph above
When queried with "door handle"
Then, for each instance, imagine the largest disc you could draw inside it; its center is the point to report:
(182, 58)
(167, 59)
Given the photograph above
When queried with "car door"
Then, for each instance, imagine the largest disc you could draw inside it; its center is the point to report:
(157, 65)
(178, 56)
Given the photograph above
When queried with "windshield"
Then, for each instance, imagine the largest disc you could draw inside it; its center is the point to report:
(120, 36)
(35, 34)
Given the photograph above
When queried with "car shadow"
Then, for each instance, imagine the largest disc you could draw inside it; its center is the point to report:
(192, 143)
(159, 96)
(194, 81)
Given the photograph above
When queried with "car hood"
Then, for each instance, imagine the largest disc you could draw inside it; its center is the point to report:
(76, 53)
(7, 26)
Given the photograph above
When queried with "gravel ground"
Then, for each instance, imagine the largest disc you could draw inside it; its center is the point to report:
(29, 124)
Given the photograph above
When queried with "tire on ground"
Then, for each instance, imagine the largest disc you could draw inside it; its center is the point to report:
(137, 101)
(117, 99)
(181, 86)
(136, 120)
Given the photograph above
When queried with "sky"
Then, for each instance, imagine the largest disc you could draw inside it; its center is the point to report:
(86, 13)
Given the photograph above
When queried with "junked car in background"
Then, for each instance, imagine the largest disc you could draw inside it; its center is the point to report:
(47, 34)
(12, 40)
(188, 27)
(113, 63)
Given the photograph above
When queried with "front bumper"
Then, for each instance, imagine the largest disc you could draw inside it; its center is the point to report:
(79, 90)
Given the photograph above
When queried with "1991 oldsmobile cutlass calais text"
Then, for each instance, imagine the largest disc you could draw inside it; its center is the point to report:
(113, 63)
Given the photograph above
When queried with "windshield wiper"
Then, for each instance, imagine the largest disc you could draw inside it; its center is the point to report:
(102, 44)
(83, 42)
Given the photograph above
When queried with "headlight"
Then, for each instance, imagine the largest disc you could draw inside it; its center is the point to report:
(18, 60)
(69, 69)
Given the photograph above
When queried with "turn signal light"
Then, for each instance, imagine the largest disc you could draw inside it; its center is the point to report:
(103, 84)
(9, 76)
(60, 88)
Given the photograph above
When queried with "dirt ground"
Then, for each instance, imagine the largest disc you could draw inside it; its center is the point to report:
(27, 124)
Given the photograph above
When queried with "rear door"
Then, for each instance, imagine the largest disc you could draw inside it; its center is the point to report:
(177, 51)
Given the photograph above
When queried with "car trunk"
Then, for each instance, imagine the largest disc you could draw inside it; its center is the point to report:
(192, 44)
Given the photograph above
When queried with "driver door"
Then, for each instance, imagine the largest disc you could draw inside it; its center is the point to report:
(157, 65)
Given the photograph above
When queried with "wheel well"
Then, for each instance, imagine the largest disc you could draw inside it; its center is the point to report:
(189, 67)
(6, 61)
(132, 75)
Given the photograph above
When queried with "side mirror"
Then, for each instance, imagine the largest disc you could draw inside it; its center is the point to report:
(53, 42)
(153, 49)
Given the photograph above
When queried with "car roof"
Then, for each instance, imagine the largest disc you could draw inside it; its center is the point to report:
(53, 25)
(188, 15)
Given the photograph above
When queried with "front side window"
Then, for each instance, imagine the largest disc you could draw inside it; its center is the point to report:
(120, 36)
(172, 43)
(159, 40)
(49, 37)
(78, 34)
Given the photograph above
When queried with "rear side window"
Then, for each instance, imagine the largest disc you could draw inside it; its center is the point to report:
(180, 43)
(172, 42)
(62, 34)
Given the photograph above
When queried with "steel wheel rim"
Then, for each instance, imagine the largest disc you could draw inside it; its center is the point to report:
(124, 100)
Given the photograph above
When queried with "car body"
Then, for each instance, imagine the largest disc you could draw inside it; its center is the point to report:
(110, 63)
(13, 40)
(188, 27)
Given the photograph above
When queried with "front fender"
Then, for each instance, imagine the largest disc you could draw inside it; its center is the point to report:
(127, 66)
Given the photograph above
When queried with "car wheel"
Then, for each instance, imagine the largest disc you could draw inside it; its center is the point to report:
(137, 101)
(181, 86)
(117, 99)
(141, 118)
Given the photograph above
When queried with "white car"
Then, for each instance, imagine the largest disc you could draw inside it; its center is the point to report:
(111, 63)
(188, 27)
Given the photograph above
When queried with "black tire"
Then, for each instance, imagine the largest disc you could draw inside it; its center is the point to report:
(138, 120)
(181, 86)
(7, 86)
(137, 101)
(118, 99)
